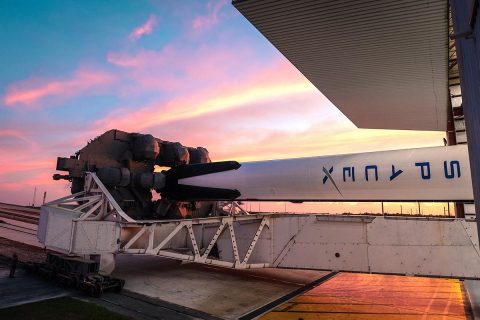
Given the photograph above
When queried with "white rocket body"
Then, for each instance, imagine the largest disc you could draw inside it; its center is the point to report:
(424, 174)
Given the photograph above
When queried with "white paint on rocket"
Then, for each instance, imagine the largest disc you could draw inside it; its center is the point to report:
(436, 173)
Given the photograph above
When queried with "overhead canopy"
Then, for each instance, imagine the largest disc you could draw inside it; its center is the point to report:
(383, 63)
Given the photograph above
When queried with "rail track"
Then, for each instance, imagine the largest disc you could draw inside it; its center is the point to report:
(20, 213)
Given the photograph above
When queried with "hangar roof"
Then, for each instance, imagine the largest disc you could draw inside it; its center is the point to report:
(383, 63)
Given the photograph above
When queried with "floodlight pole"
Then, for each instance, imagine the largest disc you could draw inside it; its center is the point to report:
(465, 29)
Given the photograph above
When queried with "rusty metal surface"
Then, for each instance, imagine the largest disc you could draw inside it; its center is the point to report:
(369, 296)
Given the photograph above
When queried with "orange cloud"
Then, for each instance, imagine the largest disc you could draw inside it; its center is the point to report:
(317, 142)
(144, 29)
(32, 92)
(296, 125)
(281, 80)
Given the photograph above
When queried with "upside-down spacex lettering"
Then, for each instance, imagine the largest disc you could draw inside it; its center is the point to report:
(424, 174)
(328, 176)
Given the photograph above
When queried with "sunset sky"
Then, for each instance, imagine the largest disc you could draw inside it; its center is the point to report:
(196, 72)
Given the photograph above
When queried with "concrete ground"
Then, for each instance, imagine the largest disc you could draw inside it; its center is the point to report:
(24, 289)
(143, 308)
(472, 287)
(158, 288)
(219, 292)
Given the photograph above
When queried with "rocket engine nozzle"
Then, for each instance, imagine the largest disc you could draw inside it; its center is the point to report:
(175, 191)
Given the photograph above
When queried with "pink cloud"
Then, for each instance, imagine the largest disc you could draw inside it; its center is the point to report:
(174, 69)
(34, 91)
(210, 19)
(6, 133)
(20, 191)
(29, 158)
(279, 79)
(12, 140)
(27, 165)
(144, 29)
(144, 58)
(25, 155)
(255, 116)
(279, 128)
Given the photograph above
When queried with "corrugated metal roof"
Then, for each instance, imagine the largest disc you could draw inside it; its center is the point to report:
(383, 63)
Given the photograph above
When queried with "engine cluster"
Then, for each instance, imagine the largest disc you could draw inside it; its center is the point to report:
(126, 163)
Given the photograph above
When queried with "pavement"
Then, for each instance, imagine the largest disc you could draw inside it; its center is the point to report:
(159, 288)
(218, 292)
(472, 287)
(144, 308)
(24, 289)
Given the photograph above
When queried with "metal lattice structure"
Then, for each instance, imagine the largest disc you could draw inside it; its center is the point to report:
(200, 249)
(92, 223)
(93, 203)
(96, 204)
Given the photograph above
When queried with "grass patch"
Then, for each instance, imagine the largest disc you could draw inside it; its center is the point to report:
(61, 308)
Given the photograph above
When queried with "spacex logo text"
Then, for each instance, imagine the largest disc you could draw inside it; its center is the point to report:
(451, 170)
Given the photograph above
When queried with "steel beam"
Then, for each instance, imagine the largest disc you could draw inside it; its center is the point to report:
(467, 56)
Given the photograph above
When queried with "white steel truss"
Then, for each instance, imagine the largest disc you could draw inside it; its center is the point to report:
(147, 238)
(93, 203)
(92, 223)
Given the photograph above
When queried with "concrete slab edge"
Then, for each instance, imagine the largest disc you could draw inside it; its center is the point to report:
(44, 298)
(471, 291)
(168, 305)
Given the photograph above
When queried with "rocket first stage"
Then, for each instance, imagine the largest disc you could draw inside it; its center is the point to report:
(424, 174)
(125, 163)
